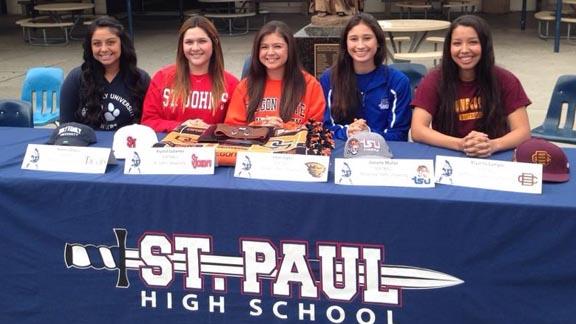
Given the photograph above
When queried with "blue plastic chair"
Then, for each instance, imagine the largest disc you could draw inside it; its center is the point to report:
(42, 89)
(414, 71)
(563, 100)
(15, 113)
(246, 66)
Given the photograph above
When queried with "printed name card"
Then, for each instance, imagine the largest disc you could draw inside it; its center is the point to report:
(489, 174)
(172, 160)
(289, 167)
(76, 159)
(384, 172)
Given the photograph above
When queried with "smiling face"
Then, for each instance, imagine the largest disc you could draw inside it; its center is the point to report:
(466, 50)
(362, 46)
(273, 54)
(106, 47)
(197, 47)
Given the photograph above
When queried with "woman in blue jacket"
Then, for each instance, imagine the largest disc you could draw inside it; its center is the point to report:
(361, 92)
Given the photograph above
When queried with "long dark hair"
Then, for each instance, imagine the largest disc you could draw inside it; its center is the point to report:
(492, 121)
(293, 83)
(93, 81)
(345, 105)
(181, 83)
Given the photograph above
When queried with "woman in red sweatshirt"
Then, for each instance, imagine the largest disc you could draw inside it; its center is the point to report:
(195, 90)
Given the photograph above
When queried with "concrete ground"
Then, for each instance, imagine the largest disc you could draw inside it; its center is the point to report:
(532, 59)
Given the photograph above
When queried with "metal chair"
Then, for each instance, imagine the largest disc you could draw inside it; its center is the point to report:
(42, 89)
(414, 71)
(562, 103)
(15, 113)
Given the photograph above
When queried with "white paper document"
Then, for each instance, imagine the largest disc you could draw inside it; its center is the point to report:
(489, 174)
(384, 172)
(171, 160)
(58, 158)
(289, 167)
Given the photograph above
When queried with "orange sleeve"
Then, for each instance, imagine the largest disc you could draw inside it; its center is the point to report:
(237, 113)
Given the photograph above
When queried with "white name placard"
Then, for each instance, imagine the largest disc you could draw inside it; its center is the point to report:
(76, 159)
(489, 174)
(289, 167)
(384, 172)
(171, 160)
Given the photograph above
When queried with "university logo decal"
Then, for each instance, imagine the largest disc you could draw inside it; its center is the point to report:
(339, 272)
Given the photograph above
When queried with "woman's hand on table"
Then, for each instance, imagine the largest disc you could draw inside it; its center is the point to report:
(477, 144)
(196, 123)
(358, 125)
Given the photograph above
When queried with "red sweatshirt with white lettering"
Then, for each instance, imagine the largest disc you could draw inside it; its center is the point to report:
(163, 113)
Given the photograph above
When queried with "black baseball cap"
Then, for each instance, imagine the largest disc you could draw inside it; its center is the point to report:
(72, 134)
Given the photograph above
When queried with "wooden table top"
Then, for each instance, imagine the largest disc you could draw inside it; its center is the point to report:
(413, 25)
(64, 6)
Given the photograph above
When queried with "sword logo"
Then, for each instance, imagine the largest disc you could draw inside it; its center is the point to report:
(121, 259)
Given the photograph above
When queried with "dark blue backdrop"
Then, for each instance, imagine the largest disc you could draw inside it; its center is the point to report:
(514, 252)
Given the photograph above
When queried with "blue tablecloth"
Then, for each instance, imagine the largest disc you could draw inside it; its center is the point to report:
(121, 248)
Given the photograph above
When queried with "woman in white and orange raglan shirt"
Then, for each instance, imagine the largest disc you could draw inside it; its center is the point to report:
(194, 91)
(277, 91)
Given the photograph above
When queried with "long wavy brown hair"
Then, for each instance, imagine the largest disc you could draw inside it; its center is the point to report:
(493, 121)
(181, 81)
(293, 82)
(93, 81)
(345, 94)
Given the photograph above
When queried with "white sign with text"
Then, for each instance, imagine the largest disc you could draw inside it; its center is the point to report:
(289, 167)
(384, 172)
(489, 174)
(59, 158)
(171, 160)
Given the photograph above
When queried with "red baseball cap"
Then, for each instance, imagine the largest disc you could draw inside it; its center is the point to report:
(556, 167)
